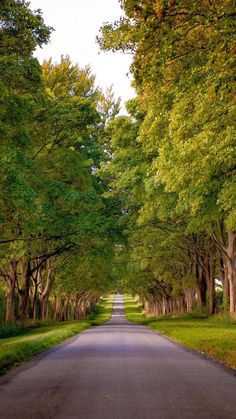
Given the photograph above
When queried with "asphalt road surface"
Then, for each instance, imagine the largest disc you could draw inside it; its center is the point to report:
(118, 371)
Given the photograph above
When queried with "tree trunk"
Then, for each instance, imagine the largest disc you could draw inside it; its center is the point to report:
(57, 314)
(209, 267)
(225, 282)
(164, 306)
(44, 292)
(201, 284)
(211, 294)
(11, 287)
(189, 295)
(54, 307)
(230, 262)
(228, 251)
(64, 309)
(36, 281)
(44, 307)
(24, 291)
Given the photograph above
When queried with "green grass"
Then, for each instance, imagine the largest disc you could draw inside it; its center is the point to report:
(16, 350)
(8, 330)
(214, 336)
(102, 311)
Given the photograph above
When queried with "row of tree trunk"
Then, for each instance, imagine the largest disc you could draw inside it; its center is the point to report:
(198, 274)
(30, 294)
(210, 258)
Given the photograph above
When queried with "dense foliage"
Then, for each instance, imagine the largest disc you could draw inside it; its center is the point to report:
(173, 162)
(91, 201)
(55, 227)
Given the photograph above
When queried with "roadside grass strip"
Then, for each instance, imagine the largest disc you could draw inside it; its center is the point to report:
(102, 311)
(16, 350)
(213, 336)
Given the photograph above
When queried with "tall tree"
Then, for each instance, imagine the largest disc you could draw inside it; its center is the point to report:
(183, 60)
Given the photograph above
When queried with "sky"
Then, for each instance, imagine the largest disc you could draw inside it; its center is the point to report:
(76, 24)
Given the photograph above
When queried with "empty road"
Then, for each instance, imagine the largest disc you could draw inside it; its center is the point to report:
(118, 371)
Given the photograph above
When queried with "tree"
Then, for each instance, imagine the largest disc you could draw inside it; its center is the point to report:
(51, 209)
(20, 90)
(183, 72)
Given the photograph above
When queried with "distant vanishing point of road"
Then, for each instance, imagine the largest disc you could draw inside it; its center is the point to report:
(118, 371)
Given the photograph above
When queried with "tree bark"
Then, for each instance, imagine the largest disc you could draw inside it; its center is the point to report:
(24, 290)
(228, 252)
(189, 295)
(54, 307)
(209, 270)
(201, 283)
(230, 262)
(36, 281)
(44, 292)
(225, 281)
(211, 289)
(64, 309)
(11, 288)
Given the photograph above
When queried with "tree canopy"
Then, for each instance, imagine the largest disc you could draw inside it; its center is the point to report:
(177, 174)
(91, 200)
(55, 243)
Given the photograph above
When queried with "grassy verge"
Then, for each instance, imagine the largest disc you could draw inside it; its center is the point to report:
(18, 349)
(102, 311)
(214, 336)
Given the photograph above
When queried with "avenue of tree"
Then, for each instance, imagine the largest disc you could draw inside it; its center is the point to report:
(173, 163)
(56, 229)
(91, 201)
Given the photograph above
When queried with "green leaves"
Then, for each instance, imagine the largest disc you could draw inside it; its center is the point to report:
(22, 30)
(53, 219)
(173, 162)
